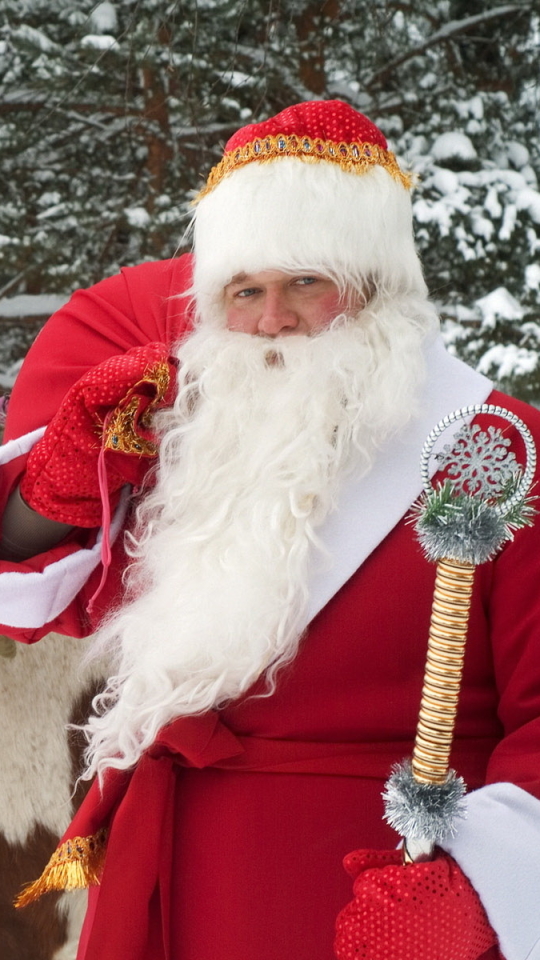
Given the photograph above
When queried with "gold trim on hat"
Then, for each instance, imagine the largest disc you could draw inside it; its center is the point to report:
(352, 157)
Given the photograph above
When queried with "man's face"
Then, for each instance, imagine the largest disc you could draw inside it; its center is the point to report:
(272, 303)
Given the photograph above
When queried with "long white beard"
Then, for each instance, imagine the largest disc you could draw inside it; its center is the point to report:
(251, 459)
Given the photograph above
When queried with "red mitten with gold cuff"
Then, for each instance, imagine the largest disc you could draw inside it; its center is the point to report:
(104, 421)
(416, 911)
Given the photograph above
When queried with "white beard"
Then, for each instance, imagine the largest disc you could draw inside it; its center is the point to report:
(251, 459)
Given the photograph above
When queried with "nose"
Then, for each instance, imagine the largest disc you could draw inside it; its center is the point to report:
(277, 316)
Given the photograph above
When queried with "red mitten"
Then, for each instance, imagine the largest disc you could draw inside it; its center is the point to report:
(417, 911)
(110, 409)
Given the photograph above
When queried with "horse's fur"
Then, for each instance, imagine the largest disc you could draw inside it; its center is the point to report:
(43, 688)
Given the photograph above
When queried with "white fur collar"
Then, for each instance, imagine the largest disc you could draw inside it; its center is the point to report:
(369, 508)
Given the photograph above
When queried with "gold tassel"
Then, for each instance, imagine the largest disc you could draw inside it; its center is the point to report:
(121, 434)
(75, 865)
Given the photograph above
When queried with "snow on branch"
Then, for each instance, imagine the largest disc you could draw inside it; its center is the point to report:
(452, 29)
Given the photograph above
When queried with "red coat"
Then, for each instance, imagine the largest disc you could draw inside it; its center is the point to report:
(246, 838)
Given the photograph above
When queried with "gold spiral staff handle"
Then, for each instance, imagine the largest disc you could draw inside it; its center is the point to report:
(444, 668)
(460, 523)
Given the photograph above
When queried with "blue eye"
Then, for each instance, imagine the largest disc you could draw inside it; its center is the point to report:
(306, 281)
(247, 292)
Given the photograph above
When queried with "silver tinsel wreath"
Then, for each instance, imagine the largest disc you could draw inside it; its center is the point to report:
(466, 528)
(423, 811)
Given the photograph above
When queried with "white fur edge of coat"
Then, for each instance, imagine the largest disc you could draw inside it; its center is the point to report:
(29, 600)
(498, 847)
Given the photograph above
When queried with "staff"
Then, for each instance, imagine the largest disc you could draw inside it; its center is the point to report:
(460, 523)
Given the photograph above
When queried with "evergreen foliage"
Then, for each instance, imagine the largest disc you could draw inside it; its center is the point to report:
(113, 113)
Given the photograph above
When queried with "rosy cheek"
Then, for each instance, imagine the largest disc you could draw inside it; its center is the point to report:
(238, 320)
(231, 313)
(331, 307)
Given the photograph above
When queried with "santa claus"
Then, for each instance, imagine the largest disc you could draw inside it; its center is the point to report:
(254, 417)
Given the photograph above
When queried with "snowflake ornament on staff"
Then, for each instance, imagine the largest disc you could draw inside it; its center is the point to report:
(460, 523)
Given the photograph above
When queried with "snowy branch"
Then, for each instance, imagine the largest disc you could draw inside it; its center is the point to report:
(110, 111)
(449, 30)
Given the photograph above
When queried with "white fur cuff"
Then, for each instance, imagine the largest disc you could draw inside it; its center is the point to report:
(30, 600)
(498, 847)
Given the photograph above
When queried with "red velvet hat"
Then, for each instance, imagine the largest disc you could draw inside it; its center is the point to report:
(314, 188)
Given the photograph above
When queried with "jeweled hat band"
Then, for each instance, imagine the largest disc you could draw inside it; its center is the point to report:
(352, 157)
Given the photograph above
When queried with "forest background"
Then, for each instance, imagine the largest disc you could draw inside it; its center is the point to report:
(112, 113)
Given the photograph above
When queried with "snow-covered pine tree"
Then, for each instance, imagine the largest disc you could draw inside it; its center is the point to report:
(113, 112)
(474, 141)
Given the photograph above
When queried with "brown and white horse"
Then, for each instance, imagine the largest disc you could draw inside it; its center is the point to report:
(43, 688)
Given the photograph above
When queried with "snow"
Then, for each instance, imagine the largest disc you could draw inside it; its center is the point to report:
(529, 200)
(238, 78)
(465, 315)
(49, 198)
(491, 203)
(517, 154)
(509, 222)
(475, 126)
(476, 107)
(445, 181)
(137, 216)
(35, 37)
(476, 206)
(53, 211)
(533, 241)
(529, 176)
(428, 81)
(507, 360)
(103, 18)
(454, 198)
(532, 276)
(482, 227)
(103, 41)
(454, 144)
(32, 305)
(9, 375)
(465, 244)
(499, 303)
